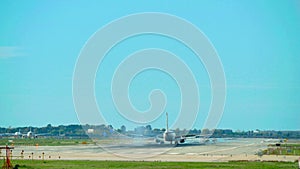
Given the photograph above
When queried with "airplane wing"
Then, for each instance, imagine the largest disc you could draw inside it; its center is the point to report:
(7, 134)
(42, 134)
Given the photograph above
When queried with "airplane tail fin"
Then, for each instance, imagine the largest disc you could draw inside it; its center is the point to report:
(167, 121)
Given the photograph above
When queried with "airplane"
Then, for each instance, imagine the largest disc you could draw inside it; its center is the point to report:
(170, 136)
(18, 134)
(30, 134)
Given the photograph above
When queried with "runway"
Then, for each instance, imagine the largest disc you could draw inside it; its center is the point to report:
(222, 150)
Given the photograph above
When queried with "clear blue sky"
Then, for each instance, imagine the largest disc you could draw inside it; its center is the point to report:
(257, 41)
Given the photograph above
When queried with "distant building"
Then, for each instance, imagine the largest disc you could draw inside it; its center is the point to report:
(90, 131)
(256, 131)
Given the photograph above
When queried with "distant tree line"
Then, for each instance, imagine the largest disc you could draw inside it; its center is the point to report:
(102, 131)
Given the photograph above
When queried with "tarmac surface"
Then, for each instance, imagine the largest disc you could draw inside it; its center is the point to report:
(146, 150)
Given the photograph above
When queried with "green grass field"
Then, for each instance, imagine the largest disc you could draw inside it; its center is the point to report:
(39, 164)
(58, 142)
(43, 142)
